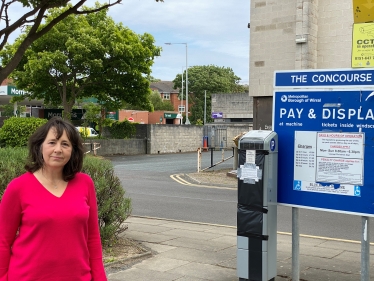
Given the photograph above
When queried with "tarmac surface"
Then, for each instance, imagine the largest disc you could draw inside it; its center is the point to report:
(190, 251)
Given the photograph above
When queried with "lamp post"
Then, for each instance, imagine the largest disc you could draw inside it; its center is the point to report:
(182, 100)
(187, 120)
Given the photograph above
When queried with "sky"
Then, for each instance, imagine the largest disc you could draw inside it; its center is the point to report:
(216, 33)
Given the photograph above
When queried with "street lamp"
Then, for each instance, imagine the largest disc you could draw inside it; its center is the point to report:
(182, 100)
(187, 120)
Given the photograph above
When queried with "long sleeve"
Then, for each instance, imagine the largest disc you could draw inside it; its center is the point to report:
(94, 241)
(10, 217)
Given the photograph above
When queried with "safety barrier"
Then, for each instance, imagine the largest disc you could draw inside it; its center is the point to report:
(93, 147)
(223, 159)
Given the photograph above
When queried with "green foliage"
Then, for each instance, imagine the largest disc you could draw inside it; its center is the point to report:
(8, 109)
(199, 122)
(122, 130)
(159, 103)
(33, 17)
(95, 114)
(151, 79)
(85, 56)
(114, 207)
(212, 79)
(12, 162)
(16, 131)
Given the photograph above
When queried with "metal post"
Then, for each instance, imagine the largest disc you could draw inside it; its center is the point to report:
(182, 99)
(205, 108)
(295, 245)
(199, 159)
(187, 120)
(365, 249)
(211, 156)
(235, 153)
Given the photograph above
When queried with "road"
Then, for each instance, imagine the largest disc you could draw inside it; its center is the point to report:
(146, 179)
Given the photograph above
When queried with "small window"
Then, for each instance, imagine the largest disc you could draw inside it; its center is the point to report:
(181, 108)
(166, 96)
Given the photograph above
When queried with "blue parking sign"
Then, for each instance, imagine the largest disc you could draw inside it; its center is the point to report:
(325, 140)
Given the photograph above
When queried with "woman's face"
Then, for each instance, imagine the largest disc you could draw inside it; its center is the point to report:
(56, 152)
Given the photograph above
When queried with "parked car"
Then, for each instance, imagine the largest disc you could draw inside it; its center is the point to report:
(87, 132)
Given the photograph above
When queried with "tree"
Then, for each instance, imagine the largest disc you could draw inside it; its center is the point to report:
(35, 11)
(85, 56)
(209, 78)
(8, 109)
(95, 114)
(151, 79)
(159, 104)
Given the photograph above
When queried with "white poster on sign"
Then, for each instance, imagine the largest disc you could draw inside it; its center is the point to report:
(250, 156)
(305, 155)
(328, 162)
(340, 158)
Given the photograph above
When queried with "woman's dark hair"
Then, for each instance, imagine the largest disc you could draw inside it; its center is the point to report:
(35, 159)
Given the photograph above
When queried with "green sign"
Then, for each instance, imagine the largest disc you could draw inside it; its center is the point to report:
(170, 115)
(76, 114)
(13, 91)
(112, 115)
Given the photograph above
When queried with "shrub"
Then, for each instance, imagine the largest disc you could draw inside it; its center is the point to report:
(122, 130)
(113, 207)
(12, 162)
(16, 131)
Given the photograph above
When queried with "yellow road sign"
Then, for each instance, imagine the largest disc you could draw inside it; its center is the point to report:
(363, 11)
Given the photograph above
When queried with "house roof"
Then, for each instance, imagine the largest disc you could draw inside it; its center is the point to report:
(164, 87)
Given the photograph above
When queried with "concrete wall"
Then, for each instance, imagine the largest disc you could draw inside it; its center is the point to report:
(233, 131)
(272, 42)
(294, 35)
(118, 146)
(172, 139)
(277, 25)
(160, 139)
(233, 105)
(335, 22)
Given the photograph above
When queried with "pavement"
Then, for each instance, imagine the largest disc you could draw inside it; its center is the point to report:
(191, 251)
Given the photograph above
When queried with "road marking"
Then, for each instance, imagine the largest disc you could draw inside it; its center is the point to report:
(179, 179)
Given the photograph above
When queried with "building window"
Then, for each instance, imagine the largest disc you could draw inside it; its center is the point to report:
(181, 108)
(166, 96)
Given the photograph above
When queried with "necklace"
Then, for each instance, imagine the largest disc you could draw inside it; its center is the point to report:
(53, 183)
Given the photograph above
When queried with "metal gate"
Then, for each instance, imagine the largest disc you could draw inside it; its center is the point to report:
(217, 135)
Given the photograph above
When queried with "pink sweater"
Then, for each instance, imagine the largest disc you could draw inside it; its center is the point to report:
(58, 237)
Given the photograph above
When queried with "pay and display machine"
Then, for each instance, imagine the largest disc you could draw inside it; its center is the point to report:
(257, 206)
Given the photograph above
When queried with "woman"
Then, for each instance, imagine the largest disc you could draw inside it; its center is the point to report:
(48, 216)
